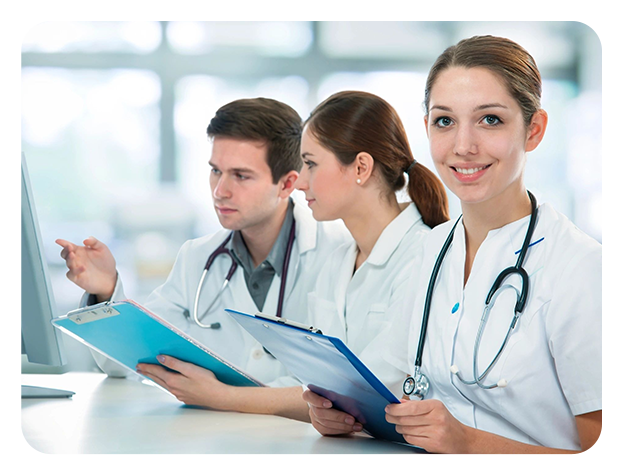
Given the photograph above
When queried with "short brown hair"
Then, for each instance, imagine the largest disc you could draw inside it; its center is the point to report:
(264, 120)
(512, 63)
(351, 122)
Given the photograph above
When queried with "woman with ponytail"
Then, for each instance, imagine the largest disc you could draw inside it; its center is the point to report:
(356, 157)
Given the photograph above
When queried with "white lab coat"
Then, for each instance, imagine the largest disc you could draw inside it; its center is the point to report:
(357, 307)
(553, 358)
(312, 245)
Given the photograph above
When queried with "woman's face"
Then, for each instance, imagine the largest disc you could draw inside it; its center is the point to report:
(327, 184)
(478, 139)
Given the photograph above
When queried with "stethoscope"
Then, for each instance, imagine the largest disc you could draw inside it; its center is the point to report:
(418, 384)
(222, 249)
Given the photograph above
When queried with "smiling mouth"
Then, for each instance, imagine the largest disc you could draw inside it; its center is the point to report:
(469, 171)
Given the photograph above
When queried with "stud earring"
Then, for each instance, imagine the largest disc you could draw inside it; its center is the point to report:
(359, 181)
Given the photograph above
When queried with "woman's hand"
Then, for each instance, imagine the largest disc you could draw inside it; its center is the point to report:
(191, 384)
(428, 424)
(325, 419)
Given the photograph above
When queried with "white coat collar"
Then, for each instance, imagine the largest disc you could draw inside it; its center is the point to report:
(394, 232)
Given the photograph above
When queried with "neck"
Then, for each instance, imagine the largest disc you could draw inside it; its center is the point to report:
(368, 220)
(480, 218)
(260, 238)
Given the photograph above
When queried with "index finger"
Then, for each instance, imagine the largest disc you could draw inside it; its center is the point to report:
(180, 366)
(316, 400)
(70, 246)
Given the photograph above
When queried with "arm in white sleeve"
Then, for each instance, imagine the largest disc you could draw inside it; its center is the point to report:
(574, 332)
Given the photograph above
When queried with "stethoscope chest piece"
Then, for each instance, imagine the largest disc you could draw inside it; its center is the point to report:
(416, 386)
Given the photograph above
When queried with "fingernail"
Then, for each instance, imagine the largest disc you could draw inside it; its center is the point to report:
(160, 358)
(349, 420)
(357, 427)
(327, 404)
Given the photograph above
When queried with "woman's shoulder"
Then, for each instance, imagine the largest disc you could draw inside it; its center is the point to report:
(570, 255)
(562, 237)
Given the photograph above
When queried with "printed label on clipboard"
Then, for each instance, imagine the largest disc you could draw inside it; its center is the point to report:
(91, 314)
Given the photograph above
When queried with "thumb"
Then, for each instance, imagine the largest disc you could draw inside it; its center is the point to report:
(93, 243)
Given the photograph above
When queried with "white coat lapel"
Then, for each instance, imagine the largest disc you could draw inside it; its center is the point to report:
(241, 299)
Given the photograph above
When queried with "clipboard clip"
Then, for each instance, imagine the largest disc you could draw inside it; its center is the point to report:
(92, 313)
(289, 323)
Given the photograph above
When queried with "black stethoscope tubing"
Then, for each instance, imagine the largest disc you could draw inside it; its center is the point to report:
(222, 249)
(420, 382)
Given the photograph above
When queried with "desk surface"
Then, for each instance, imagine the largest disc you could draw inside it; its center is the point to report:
(110, 415)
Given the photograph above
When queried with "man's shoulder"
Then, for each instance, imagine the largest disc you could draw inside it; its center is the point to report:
(207, 242)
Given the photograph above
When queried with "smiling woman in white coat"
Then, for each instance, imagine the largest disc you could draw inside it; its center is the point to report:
(356, 157)
(519, 370)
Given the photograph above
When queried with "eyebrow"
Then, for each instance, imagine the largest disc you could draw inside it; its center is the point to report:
(491, 106)
(234, 170)
(478, 108)
(306, 154)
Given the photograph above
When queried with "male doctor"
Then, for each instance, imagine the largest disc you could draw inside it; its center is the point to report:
(255, 161)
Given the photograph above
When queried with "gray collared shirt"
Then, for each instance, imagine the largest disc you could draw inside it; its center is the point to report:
(259, 278)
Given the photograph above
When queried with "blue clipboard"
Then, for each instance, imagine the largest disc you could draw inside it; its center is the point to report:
(129, 334)
(327, 367)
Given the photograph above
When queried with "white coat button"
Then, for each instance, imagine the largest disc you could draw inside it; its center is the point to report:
(257, 353)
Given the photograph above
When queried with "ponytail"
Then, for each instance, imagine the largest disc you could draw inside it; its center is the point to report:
(350, 122)
(428, 194)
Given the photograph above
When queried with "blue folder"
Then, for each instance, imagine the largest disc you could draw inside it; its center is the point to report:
(130, 334)
(327, 367)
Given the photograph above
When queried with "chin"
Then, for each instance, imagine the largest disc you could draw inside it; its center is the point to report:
(232, 225)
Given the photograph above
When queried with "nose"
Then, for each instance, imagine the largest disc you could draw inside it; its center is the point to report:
(220, 187)
(465, 140)
(302, 182)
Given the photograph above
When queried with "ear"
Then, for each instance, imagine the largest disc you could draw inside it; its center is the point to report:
(286, 183)
(536, 130)
(426, 125)
(363, 165)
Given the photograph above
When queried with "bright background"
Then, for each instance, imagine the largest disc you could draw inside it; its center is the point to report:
(114, 118)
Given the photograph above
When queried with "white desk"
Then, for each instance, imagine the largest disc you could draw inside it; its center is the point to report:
(108, 415)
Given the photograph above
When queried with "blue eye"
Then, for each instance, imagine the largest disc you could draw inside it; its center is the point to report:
(309, 164)
(241, 177)
(214, 171)
(492, 120)
(443, 122)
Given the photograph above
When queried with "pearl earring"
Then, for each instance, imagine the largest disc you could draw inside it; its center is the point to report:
(359, 181)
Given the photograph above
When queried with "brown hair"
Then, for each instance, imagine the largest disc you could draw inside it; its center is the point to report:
(265, 120)
(351, 122)
(513, 64)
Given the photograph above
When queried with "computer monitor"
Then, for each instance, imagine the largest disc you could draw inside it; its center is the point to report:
(41, 342)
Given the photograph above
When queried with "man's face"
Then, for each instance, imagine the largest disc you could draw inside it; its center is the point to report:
(242, 184)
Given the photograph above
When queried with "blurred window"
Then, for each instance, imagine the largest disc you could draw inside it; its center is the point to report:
(382, 39)
(90, 137)
(93, 36)
(269, 38)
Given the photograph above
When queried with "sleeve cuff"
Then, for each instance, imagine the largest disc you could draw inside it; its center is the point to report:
(586, 407)
(117, 294)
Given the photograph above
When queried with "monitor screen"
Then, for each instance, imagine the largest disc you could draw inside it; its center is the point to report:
(41, 342)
